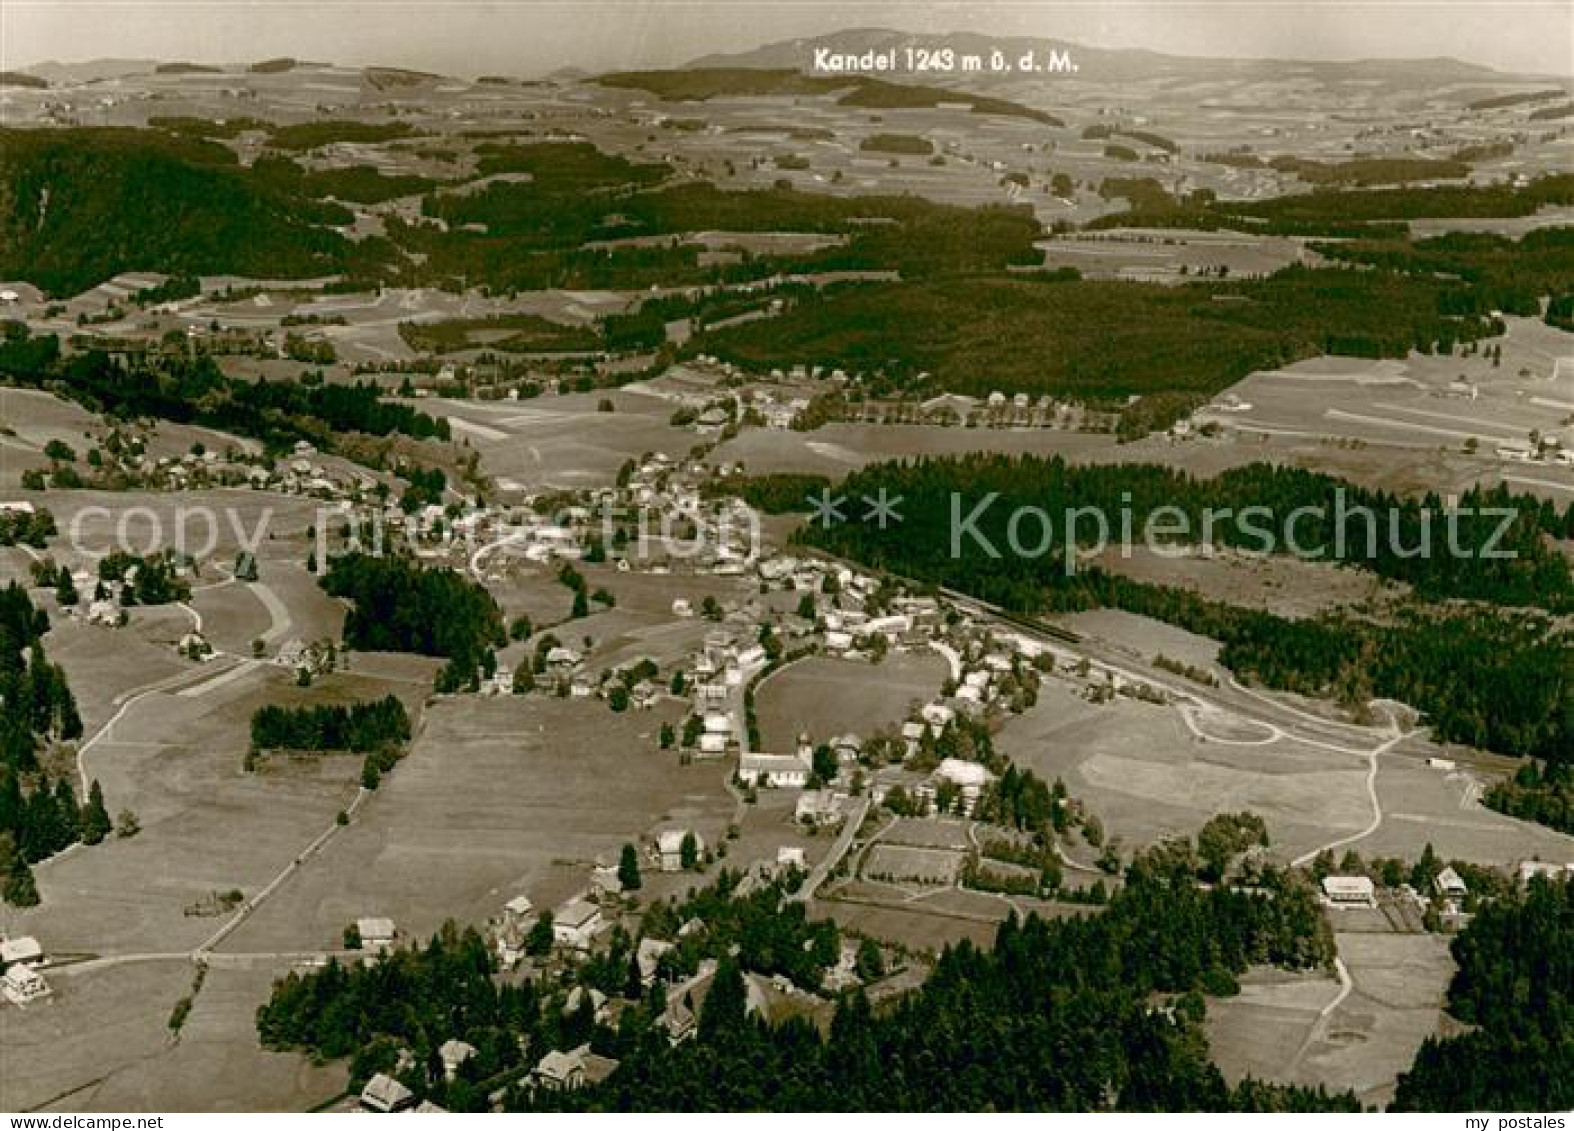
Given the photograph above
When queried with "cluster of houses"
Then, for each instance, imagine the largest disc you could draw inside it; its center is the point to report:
(1549, 447)
(778, 407)
(1341, 891)
(1448, 895)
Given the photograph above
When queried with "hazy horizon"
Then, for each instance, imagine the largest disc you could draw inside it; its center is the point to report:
(532, 37)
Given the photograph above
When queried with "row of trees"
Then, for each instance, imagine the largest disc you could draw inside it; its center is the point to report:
(358, 727)
(19, 527)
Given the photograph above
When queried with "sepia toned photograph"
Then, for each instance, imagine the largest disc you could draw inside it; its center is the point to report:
(655, 556)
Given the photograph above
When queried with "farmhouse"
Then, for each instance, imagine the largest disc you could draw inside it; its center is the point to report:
(790, 856)
(377, 933)
(385, 1094)
(970, 779)
(576, 923)
(604, 880)
(1349, 891)
(895, 779)
(21, 984)
(23, 948)
(819, 807)
(892, 627)
(648, 956)
(560, 1071)
(562, 659)
(454, 1053)
(948, 403)
(678, 1021)
(669, 848)
(776, 771)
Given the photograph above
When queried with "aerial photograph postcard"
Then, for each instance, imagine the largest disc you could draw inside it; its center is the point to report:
(774, 556)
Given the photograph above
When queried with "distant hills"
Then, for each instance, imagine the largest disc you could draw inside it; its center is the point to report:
(795, 57)
(703, 84)
(1102, 64)
(93, 70)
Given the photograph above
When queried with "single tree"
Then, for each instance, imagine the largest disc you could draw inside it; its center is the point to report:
(628, 869)
(95, 823)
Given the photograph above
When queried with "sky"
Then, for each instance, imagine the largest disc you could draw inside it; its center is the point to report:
(533, 37)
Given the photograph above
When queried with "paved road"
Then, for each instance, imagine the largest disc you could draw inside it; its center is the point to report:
(843, 842)
(1371, 792)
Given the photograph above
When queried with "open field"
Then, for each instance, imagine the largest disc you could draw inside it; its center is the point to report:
(1170, 255)
(837, 449)
(908, 926)
(1148, 777)
(903, 864)
(212, 525)
(826, 697)
(175, 759)
(928, 832)
(494, 794)
(563, 441)
(1151, 772)
(1423, 805)
(1277, 1028)
(29, 420)
(97, 1023)
(102, 1043)
(106, 664)
(1346, 405)
(1288, 586)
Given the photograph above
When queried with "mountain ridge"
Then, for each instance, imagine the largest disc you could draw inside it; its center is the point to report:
(1100, 63)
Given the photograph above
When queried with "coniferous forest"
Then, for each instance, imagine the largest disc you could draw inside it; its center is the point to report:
(358, 727)
(1083, 1013)
(1515, 987)
(1471, 647)
(39, 814)
(400, 606)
